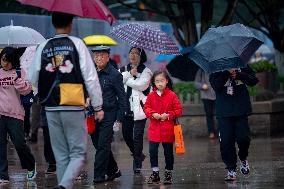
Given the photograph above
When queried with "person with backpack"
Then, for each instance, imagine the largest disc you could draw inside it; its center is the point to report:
(64, 74)
(136, 79)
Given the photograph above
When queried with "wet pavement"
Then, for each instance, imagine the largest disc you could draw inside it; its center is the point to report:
(200, 167)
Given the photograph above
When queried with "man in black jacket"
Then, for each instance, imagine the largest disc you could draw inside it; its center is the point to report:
(232, 109)
(114, 107)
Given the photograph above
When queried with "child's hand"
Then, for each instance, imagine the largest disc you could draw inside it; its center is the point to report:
(156, 116)
(14, 76)
(165, 116)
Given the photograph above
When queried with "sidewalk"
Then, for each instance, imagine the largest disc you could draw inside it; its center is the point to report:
(201, 167)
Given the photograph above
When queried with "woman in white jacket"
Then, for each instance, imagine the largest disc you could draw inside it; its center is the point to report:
(136, 79)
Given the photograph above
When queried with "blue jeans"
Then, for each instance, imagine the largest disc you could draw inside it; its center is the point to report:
(14, 127)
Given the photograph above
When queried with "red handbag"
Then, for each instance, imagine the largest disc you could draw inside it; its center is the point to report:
(91, 125)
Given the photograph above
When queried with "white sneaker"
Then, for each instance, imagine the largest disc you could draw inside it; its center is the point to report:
(4, 181)
(231, 175)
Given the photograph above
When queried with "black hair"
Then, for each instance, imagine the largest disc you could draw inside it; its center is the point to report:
(10, 55)
(143, 56)
(61, 20)
(166, 75)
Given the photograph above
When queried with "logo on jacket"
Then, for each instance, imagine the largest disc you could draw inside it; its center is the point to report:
(58, 62)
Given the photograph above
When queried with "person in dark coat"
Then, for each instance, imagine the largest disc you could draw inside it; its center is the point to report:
(233, 107)
(114, 107)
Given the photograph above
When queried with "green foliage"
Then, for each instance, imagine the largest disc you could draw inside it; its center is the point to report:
(255, 90)
(182, 89)
(280, 79)
(263, 65)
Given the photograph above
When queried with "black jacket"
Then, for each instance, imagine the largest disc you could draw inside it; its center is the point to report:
(239, 103)
(114, 96)
(56, 54)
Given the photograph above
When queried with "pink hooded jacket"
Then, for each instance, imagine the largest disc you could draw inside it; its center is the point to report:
(10, 104)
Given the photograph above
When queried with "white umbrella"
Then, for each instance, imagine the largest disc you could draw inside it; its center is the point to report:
(27, 58)
(19, 36)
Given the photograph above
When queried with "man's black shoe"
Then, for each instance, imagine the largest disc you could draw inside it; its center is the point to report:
(59, 187)
(33, 138)
(51, 169)
(117, 174)
(99, 180)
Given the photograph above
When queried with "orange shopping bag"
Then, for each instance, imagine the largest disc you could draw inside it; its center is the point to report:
(179, 142)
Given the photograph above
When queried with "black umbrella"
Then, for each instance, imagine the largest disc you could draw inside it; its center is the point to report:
(182, 68)
(225, 47)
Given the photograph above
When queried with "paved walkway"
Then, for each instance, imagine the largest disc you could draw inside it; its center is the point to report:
(201, 167)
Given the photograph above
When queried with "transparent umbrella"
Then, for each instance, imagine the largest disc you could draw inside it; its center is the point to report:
(19, 36)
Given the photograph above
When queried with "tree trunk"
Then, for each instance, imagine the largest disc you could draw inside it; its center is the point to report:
(206, 15)
(230, 11)
(279, 61)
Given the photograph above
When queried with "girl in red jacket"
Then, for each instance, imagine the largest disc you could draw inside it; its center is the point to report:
(162, 107)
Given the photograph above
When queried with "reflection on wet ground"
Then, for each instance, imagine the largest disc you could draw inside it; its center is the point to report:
(201, 167)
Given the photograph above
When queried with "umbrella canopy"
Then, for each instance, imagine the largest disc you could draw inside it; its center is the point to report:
(224, 48)
(164, 57)
(27, 58)
(83, 8)
(146, 37)
(99, 40)
(183, 68)
(19, 36)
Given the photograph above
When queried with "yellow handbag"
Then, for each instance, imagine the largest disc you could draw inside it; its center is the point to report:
(72, 94)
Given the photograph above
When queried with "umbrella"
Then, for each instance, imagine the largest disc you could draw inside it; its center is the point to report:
(83, 8)
(19, 36)
(164, 57)
(224, 48)
(146, 37)
(27, 58)
(183, 68)
(99, 40)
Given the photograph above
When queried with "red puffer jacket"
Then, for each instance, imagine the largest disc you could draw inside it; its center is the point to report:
(168, 102)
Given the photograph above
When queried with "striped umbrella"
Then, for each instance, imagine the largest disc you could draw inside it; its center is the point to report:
(146, 37)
